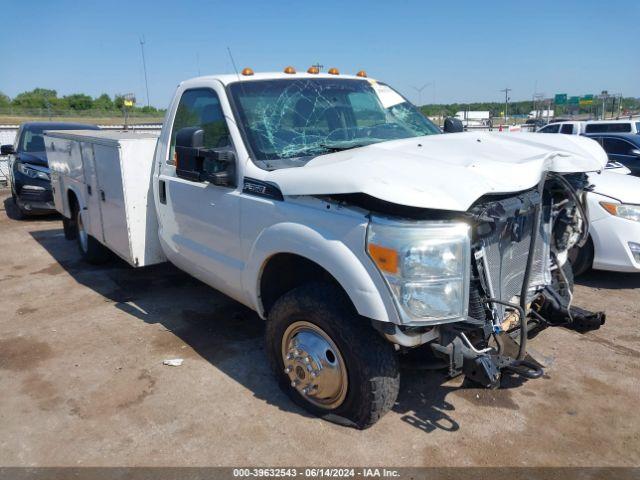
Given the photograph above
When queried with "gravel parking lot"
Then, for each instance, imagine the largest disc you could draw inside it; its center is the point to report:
(82, 380)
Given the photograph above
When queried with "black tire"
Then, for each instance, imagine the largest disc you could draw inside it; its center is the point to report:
(582, 258)
(91, 251)
(371, 365)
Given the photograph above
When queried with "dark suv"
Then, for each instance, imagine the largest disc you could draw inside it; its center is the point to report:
(30, 176)
(621, 147)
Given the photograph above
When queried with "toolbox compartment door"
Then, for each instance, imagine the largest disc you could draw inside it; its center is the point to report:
(110, 196)
(92, 192)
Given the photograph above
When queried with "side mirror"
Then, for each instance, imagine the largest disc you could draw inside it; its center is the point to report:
(196, 163)
(7, 150)
(190, 137)
(453, 125)
(635, 152)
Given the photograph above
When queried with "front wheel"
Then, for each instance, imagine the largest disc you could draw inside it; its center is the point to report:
(329, 360)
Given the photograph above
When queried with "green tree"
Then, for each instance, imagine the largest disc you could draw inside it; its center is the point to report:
(118, 102)
(36, 98)
(103, 102)
(79, 101)
(5, 101)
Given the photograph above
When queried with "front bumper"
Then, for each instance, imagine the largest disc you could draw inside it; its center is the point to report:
(611, 236)
(35, 198)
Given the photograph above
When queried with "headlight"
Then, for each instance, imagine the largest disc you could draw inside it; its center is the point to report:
(623, 210)
(32, 172)
(426, 265)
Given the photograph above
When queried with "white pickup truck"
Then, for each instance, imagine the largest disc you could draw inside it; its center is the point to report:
(329, 205)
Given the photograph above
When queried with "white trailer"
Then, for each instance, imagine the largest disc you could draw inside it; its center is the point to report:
(110, 174)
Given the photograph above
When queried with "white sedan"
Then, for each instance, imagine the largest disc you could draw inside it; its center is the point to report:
(614, 234)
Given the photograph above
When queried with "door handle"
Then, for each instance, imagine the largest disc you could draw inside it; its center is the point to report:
(162, 192)
(102, 195)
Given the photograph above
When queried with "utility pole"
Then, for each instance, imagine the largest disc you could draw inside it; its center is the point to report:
(144, 66)
(604, 96)
(506, 91)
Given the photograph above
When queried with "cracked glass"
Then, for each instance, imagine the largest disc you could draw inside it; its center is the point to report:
(289, 122)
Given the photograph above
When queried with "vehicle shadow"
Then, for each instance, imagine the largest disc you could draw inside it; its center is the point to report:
(227, 334)
(11, 209)
(610, 280)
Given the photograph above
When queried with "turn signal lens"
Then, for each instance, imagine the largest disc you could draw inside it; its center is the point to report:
(290, 70)
(610, 207)
(623, 210)
(362, 74)
(386, 258)
(333, 71)
(247, 72)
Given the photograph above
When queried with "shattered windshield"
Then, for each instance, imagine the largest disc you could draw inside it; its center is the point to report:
(288, 122)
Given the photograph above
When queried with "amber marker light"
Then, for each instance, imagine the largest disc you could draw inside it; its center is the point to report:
(362, 74)
(333, 71)
(247, 72)
(313, 70)
(386, 258)
(290, 70)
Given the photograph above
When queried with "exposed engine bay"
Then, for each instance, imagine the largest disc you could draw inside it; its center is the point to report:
(521, 280)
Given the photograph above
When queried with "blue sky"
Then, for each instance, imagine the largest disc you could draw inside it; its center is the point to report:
(469, 49)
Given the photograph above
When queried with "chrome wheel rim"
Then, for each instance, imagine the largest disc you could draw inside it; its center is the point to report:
(314, 365)
(83, 236)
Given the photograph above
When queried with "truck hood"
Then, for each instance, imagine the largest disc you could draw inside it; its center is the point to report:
(624, 188)
(448, 172)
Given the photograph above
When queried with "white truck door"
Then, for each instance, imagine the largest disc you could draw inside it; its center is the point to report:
(199, 221)
(92, 194)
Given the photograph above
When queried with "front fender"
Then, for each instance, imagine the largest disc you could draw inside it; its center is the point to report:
(361, 282)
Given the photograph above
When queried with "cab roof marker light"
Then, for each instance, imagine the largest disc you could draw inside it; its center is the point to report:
(362, 74)
(333, 71)
(290, 70)
(247, 72)
(313, 70)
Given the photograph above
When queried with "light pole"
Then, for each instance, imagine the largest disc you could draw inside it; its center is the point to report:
(506, 91)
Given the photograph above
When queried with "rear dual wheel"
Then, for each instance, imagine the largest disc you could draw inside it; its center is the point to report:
(328, 359)
(91, 250)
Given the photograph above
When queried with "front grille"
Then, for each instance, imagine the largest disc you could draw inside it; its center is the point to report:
(27, 195)
(504, 249)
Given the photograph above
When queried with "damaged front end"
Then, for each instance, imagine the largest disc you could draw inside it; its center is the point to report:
(520, 279)
(514, 279)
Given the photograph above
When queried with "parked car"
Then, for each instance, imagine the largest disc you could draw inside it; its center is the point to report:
(29, 170)
(332, 207)
(622, 148)
(614, 231)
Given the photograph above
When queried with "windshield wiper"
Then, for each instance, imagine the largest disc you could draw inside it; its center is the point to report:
(333, 147)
